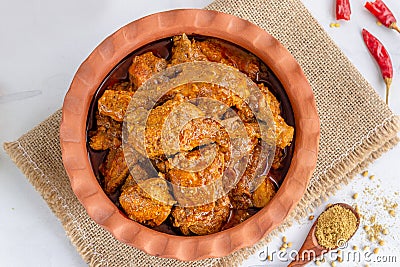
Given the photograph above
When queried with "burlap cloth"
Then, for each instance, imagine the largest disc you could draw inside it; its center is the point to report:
(356, 128)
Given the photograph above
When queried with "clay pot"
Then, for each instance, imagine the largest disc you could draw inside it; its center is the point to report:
(109, 53)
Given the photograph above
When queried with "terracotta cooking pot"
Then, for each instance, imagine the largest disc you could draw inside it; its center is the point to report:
(129, 38)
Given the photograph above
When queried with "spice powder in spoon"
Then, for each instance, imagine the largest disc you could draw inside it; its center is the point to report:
(335, 225)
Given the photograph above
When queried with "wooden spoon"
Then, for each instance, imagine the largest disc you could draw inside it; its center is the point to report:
(311, 249)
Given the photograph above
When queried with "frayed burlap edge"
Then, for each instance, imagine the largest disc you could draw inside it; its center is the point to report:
(356, 160)
(351, 163)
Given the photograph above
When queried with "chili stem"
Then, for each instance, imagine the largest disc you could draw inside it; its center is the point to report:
(395, 27)
(388, 82)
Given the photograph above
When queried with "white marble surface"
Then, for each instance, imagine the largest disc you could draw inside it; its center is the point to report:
(43, 42)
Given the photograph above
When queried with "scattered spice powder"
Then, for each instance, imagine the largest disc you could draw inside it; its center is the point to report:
(373, 229)
(335, 224)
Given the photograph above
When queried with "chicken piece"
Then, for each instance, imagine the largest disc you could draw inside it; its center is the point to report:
(222, 94)
(162, 127)
(279, 155)
(244, 136)
(185, 50)
(229, 98)
(284, 133)
(129, 182)
(189, 171)
(139, 171)
(107, 134)
(240, 196)
(202, 131)
(143, 67)
(114, 104)
(201, 220)
(115, 170)
(185, 91)
(148, 202)
(222, 52)
(121, 86)
(225, 98)
(263, 194)
(202, 92)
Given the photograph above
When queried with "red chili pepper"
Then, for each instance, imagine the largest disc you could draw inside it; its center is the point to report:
(379, 52)
(343, 9)
(382, 13)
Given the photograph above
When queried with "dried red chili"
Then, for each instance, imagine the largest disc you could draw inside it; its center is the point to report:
(379, 52)
(343, 9)
(382, 13)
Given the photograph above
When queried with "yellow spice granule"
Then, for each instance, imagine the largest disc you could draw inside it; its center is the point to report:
(334, 25)
(335, 224)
